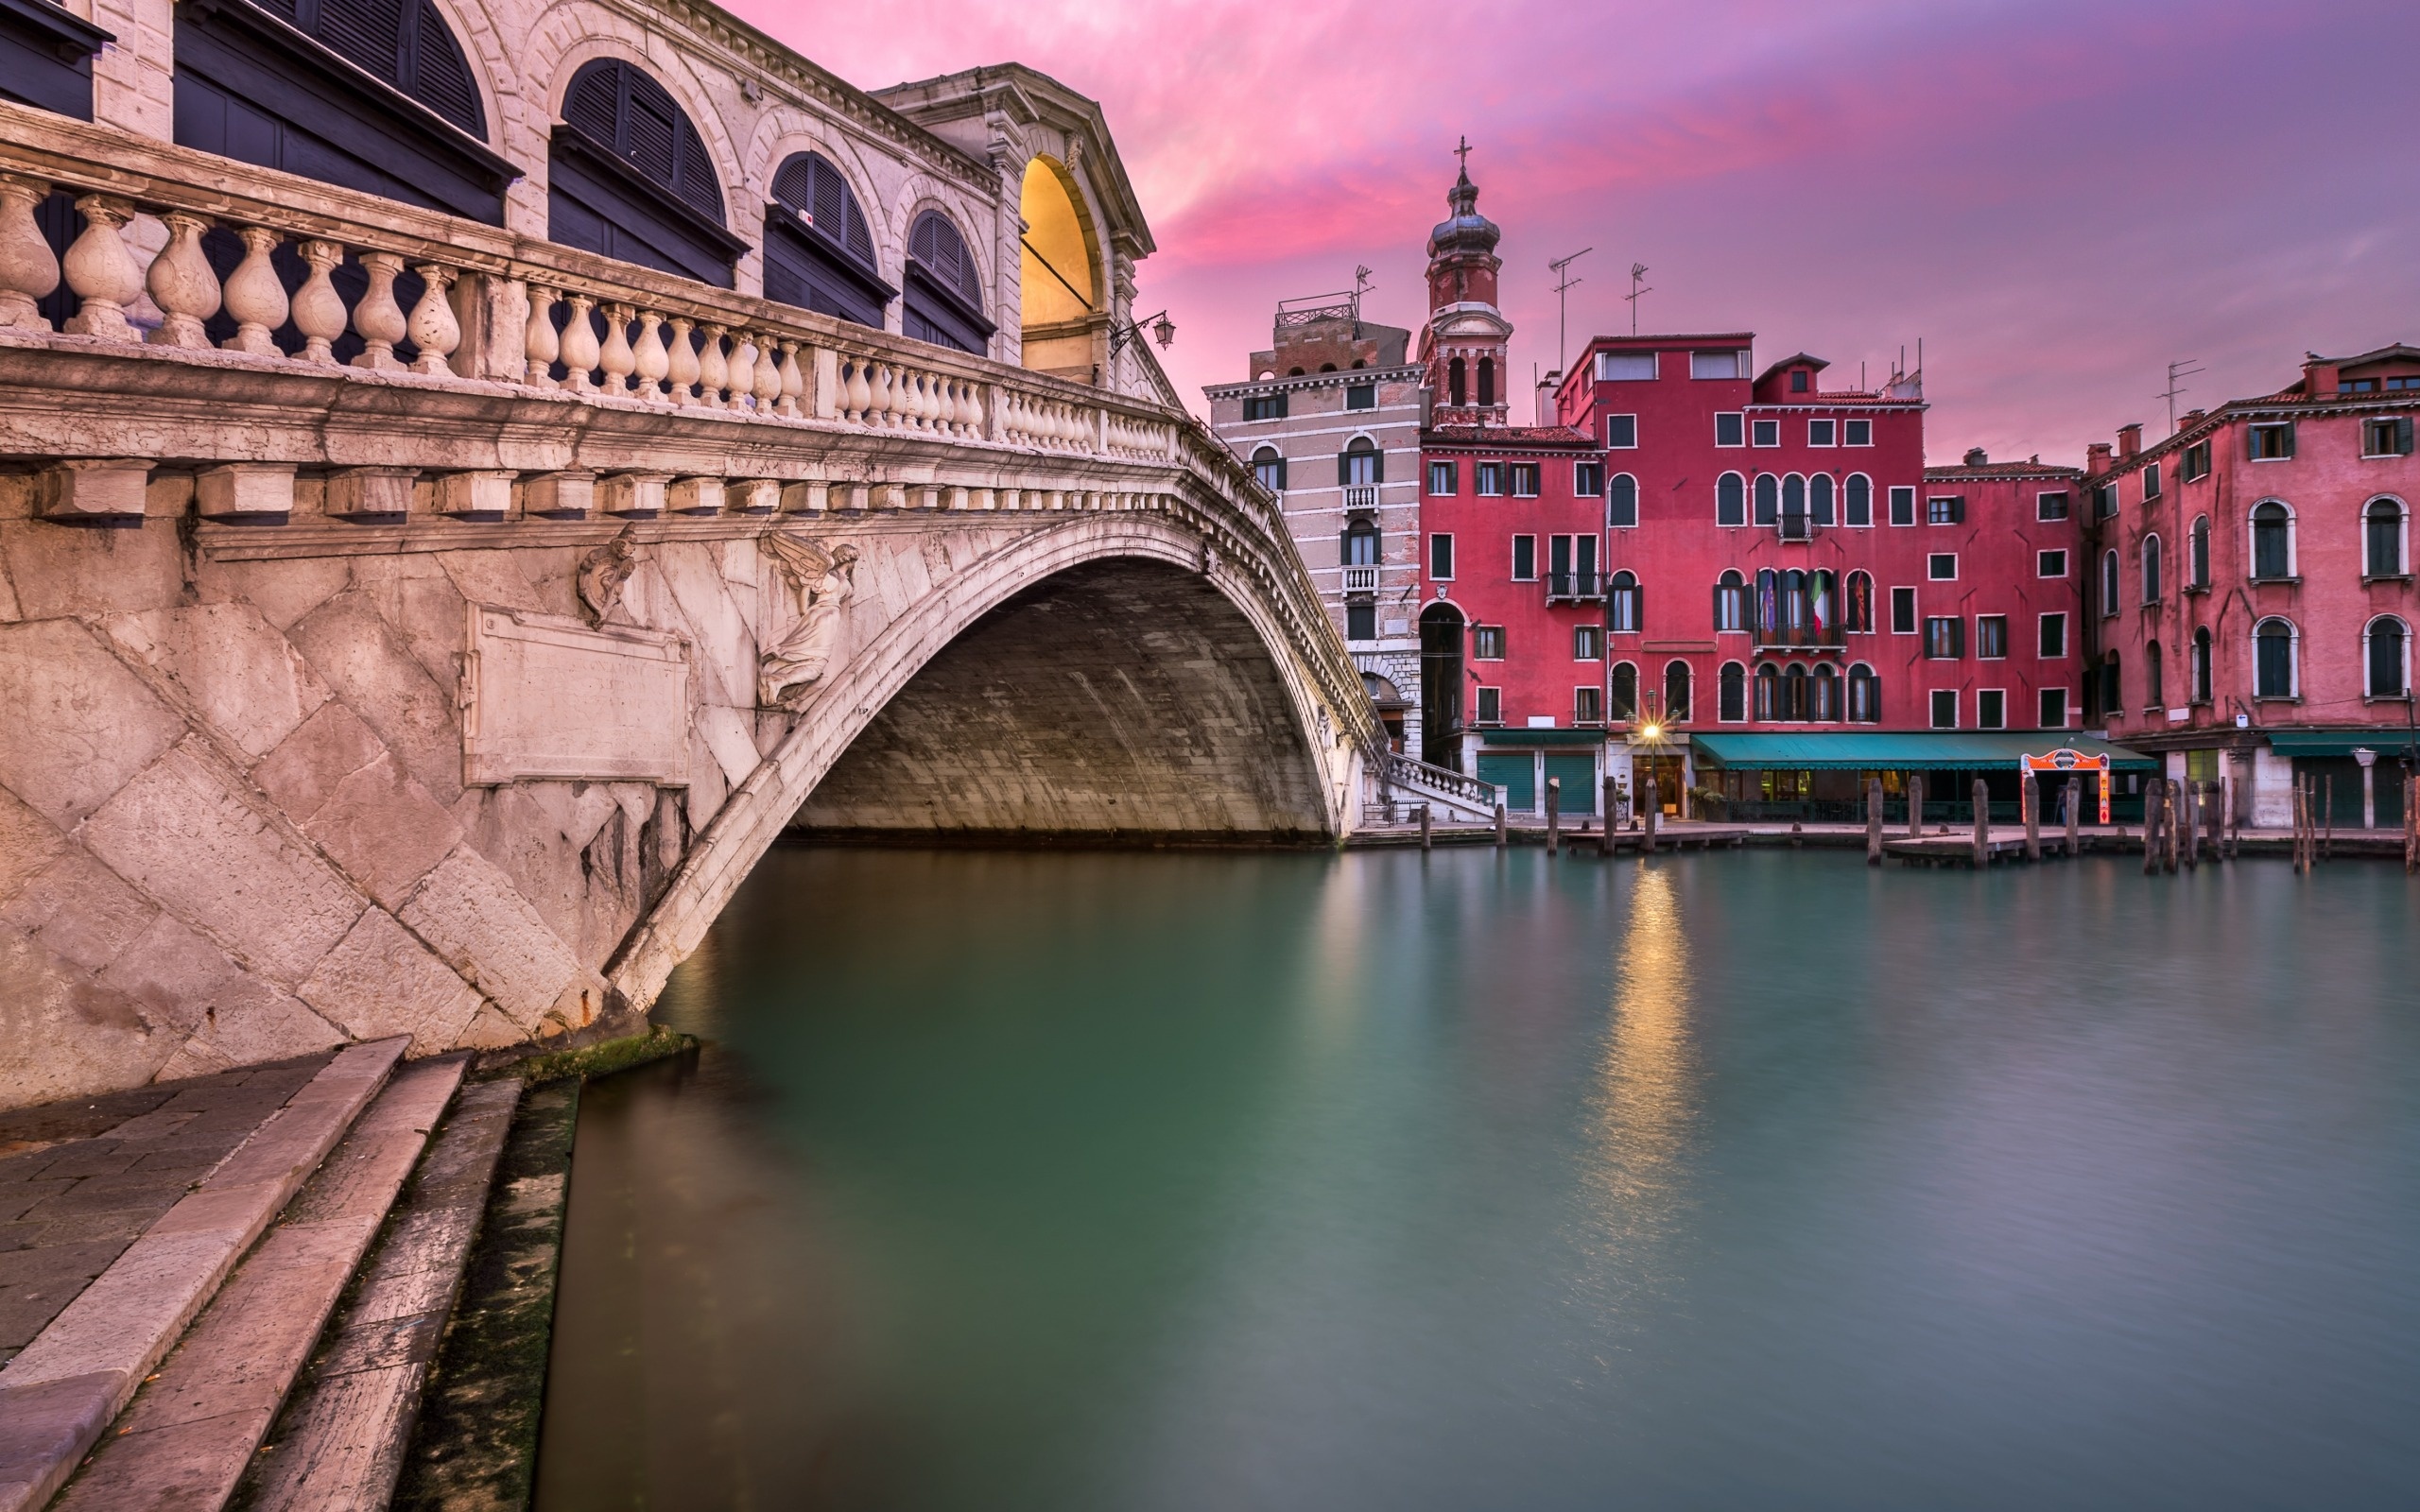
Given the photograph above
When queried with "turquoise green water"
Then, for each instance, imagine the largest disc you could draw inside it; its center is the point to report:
(1481, 1180)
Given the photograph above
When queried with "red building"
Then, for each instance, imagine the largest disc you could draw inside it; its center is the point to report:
(2252, 590)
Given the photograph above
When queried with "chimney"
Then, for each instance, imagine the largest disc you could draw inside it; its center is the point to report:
(2129, 440)
(2319, 374)
(1975, 457)
(2190, 418)
(2096, 459)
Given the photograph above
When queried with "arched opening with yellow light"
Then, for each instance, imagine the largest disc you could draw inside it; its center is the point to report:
(1060, 314)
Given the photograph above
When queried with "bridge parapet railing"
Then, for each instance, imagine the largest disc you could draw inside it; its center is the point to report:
(182, 249)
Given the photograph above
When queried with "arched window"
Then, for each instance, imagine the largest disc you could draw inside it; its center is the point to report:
(1823, 604)
(1767, 606)
(1793, 692)
(1486, 382)
(2200, 692)
(2112, 688)
(2272, 539)
(1676, 692)
(1457, 389)
(945, 304)
(1865, 695)
(1825, 689)
(2109, 582)
(1818, 498)
(1769, 704)
(1625, 691)
(2151, 569)
(2274, 674)
(2386, 650)
(1768, 499)
(1622, 604)
(1360, 545)
(819, 250)
(2382, 539)
(2198, 567)
(258, 93)
(628, 176)
(1733, 694)
(1621, 502)
(1793, 601)
(1730, 601)
(2154, 677)
(1858, 498)
(1793, 508)
(1857, 605)
(1360, 464)
(1730, 500)
(1270, 467)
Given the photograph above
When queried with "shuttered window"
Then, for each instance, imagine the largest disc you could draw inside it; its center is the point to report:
(945, 292)
(819, 250)
(620, 108)
(403, 42)
(628, 177)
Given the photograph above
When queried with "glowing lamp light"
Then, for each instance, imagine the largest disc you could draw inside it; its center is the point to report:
(1652, 732)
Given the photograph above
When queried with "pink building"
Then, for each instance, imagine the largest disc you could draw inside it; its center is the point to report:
(2253, 589)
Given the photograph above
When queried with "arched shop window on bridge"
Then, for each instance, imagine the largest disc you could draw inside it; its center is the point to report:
(945, 304)
(629, 178)
(819, 250)
(368, 95)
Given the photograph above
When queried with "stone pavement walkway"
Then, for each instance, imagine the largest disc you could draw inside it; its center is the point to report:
(81, 1180)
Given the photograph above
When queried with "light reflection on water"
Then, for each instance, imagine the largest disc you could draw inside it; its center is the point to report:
(1074, 1182)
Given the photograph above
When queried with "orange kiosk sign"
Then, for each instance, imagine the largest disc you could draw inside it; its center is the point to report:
(2067, 760)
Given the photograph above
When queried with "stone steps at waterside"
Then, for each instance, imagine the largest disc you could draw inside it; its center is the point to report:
(62, 1391)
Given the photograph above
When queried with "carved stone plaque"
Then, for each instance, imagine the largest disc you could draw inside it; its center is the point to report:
(546, 696)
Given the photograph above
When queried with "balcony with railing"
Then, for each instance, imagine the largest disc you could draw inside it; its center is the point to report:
(1574, 588)
(1800, 637)
(1361, 496)
(1362, 580)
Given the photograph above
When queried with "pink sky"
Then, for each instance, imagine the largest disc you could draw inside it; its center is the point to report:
(2057, 196)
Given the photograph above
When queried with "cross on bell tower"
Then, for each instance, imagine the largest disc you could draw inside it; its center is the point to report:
(1468, 340)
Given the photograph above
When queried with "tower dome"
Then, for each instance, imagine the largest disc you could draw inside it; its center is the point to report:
(1465, 231)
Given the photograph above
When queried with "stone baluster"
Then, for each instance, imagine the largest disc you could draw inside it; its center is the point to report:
(434, 329)
(879, 394)
(182, 283)
(897, 404)
(102, 271)
(741, 375)
(793, 380)
(378, 319)
(714, 369)
(542, 345)
(580, 350)
(769, 375)
(856, 412)
(684, 368)
(29, 271)
(654, 361)
(615, 355)
(933, 414)
(970, 409)
(255, 295)
(318, 309)
(910, 408)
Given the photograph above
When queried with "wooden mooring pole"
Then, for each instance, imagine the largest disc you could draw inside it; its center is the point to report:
(2029, 797)
(1606, 836)
(2328, 814)
(2074, 799)
(2410, 824)
(2215, 807)
(1499, 826)
(1654, 811)
(1874, 822)
(1982, 807)
(1915, 803)
(2189, 830)
(1554, 815)
(2154, 791)
(1424, 826)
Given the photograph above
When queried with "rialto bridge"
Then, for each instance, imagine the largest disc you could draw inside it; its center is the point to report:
(414, 620)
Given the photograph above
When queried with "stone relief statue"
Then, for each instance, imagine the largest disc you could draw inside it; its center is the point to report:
(820, 583)
(602, 573)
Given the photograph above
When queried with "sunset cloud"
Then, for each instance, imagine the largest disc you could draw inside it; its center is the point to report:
(2057, 197)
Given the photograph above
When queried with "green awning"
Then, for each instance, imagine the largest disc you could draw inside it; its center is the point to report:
(2385, 741)
(1542, 737)
(1910, 752)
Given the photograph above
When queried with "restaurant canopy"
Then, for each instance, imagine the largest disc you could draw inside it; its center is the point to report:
(1910, 752)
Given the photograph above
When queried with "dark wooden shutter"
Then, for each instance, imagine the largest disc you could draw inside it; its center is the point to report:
(594, 102)
(440, 76)
(1344, 468)
(2403, 436)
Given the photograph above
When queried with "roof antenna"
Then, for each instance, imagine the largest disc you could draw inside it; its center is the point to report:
(1361, 286)
(2177, 371)
(1637, 271)
(1560, 268)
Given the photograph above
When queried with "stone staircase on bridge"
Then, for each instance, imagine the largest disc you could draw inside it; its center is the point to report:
(179, 1252)
(1405, 785)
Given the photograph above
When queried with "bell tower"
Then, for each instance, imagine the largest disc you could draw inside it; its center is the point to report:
(1467, 342)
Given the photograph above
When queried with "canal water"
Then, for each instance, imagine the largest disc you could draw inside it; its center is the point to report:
(1478, 1180)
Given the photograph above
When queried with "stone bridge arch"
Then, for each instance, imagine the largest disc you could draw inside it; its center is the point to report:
(1201, 722)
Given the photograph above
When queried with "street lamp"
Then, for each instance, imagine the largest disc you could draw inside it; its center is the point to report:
(1163, 332)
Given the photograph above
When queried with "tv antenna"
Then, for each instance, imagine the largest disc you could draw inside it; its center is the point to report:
(2177, 371)
(1637, 273)
(1564, 282)
(1361, 286)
